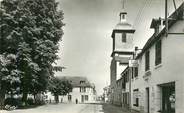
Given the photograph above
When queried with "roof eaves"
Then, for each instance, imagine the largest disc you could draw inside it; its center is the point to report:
(154, 38)
(120, 31)
(125, 70)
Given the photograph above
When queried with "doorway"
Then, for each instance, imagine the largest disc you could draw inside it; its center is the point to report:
(148, 99)
(168, 98)
(69, 98)
(82, 98)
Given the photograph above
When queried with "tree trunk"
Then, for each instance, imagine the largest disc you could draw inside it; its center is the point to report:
(11, 94)
(56, 98)
(24, 98)
(2, 99)
(2, 94)
(34, 98)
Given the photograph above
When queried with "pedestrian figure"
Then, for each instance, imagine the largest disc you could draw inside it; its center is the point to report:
(50, 100)
(76, 101)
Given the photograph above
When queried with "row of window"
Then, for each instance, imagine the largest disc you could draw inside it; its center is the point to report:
(126, 76)
(83, 89)
(83, 97)
(82, 82)
(158, 56)
(158, 60)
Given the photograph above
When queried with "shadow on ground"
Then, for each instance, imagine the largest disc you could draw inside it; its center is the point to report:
(108, 108)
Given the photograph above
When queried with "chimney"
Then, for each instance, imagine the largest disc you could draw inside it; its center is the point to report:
(137, 51)
(157, 25)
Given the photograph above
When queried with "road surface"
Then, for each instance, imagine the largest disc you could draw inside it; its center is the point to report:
(71, 108)
(61, 108)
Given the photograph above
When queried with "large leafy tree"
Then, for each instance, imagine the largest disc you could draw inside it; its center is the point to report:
(59, 87)
(30, 33)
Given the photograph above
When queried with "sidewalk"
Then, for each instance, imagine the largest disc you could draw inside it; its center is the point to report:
(109, 108)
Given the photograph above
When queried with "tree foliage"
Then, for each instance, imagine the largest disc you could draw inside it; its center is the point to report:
(30, 33)
(59, 87)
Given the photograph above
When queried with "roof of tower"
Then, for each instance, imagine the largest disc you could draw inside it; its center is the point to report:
(123, 11)
(123, 26)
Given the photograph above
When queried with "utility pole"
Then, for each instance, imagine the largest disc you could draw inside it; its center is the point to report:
(130, 86)
(174, 4)
(166, 19)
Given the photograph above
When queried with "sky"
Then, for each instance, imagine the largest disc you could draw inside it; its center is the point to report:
(86, 45)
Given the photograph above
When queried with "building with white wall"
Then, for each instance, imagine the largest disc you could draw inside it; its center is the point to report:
(83, 91)
(106, 94)
(159, 85)
(156, 84)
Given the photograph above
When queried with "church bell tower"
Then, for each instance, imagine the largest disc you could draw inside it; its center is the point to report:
(122, 49)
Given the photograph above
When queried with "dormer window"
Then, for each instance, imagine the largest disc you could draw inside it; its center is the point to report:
(123, 16)
(157, 25)
(83, 89)
(82, 82)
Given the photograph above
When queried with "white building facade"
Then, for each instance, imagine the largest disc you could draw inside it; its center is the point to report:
(156, 84)
(82, 95)
(83, 91)
(159, 86)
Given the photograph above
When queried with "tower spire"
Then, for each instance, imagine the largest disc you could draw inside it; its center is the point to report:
(123, 12)
(123, 4)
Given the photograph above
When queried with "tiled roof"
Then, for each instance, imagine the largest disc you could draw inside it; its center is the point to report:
(76, 81)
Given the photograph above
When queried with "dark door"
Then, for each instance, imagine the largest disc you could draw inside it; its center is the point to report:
(82, 98)
(168, 99)
(69, 98)
(148, 100)
(86, 97)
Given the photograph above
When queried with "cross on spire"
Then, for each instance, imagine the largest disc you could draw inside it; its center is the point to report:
(123, 4)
